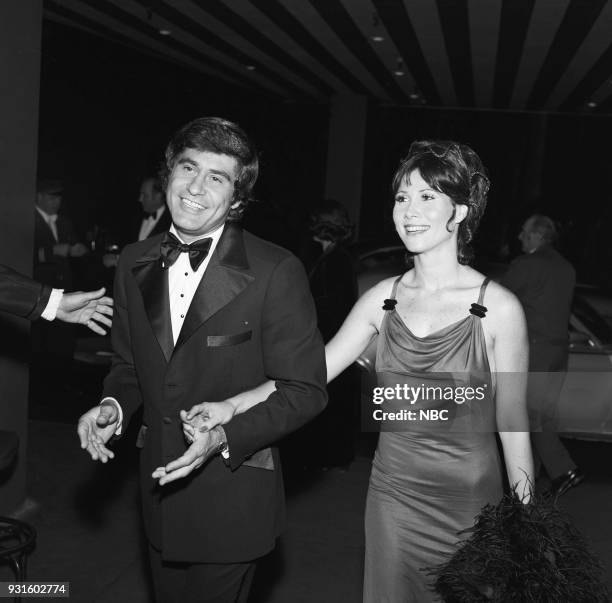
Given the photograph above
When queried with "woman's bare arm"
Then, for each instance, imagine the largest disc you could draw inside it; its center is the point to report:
(511, 354)
(344, 348)
(356, 332)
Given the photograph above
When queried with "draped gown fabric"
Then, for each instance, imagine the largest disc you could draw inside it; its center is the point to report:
(427, 485)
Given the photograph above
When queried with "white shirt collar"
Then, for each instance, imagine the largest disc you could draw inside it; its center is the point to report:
(156, 215)
(46, 217)
(183, 282)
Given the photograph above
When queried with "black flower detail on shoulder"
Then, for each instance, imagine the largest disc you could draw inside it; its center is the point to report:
(389, 304)
(478, 310)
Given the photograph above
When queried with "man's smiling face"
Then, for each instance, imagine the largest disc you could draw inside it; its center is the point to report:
(200, 192)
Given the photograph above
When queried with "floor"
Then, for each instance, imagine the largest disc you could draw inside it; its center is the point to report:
(89, 532)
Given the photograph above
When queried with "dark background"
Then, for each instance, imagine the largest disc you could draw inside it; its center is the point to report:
(107, 111)
(555, 164)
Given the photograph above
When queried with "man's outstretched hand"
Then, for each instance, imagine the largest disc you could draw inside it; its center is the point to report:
(95, 429)
(89, 308)
(205, 445)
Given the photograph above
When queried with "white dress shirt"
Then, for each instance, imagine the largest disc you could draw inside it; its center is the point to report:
(50, 311)
(50, 220)
(148, 223)
(183, 281)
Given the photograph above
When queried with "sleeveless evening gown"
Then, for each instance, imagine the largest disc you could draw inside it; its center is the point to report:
(427, 485)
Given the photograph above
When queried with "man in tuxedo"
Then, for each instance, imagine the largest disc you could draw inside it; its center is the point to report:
(55, 249)
(22, 296)
(204, 312)
(544, 280)
(54, 238)
(156, 217)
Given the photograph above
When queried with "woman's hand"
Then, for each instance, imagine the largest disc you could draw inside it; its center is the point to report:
(203, 417)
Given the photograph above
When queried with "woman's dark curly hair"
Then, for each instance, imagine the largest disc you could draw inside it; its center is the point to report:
(218, 135)
(329, 221)
(455, 170)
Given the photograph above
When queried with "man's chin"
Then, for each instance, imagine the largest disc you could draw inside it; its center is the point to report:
(189, 232)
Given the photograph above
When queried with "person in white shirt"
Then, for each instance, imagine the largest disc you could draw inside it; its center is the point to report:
(155, 216)
(57, 257)
(54, 236)
(152, 199)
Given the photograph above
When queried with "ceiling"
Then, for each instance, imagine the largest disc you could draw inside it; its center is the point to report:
(534, 55)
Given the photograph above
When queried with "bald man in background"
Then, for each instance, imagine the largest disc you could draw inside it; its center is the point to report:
(544, 280)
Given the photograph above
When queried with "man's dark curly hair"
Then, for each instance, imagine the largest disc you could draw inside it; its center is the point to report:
(218, 135)
(455, 170)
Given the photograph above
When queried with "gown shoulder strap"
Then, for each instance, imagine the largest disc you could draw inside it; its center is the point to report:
(478, 309)
(395, 284)
(391, 301)
(482, 290)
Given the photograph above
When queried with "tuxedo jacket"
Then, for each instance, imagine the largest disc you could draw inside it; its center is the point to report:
(48, 268)
(544, 283)
(252, 318)
(21, 295)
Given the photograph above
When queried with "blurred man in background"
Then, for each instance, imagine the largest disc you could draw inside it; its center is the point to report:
(544, 280)
(156, 217)
(55, 249)
(54, 237)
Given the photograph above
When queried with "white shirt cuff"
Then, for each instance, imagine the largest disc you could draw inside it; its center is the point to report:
(50, 311)
(225, 453)
(120, 420)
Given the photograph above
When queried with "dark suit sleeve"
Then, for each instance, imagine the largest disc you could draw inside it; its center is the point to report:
(294, 357)
(517, 277)
(121, 382)
(21, 295)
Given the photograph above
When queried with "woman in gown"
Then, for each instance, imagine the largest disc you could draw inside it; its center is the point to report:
(441, 317)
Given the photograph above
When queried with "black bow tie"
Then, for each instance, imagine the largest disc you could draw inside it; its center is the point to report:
(171, 248)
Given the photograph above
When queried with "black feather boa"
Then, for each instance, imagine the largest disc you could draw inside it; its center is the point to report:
(521, 552)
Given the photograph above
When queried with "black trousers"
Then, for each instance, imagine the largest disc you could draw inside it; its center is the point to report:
(547, 365)
(200, 582)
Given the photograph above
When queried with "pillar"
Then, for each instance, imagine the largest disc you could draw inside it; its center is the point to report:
(20, 31)
(345, 151)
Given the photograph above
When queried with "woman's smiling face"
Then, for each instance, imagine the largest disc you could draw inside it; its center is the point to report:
(421, 214)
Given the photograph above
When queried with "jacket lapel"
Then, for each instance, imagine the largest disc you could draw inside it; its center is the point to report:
(152, 280)
(226, 276)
